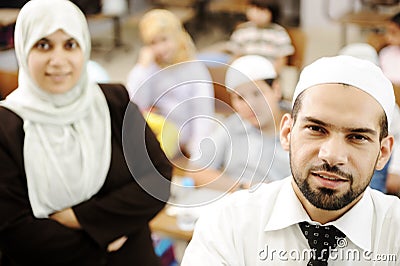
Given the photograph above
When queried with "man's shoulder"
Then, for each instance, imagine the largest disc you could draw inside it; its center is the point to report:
(387, 205)
(261, 195)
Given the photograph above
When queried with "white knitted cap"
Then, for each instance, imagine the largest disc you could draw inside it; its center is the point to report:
(353, 71)
(248, 68)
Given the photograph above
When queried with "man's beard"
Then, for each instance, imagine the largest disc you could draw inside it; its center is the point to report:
(325, 198)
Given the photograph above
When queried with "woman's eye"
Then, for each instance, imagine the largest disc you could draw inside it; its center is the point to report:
(71, 45)
(43, 45)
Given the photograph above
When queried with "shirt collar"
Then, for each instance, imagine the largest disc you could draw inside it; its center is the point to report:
(288, 211)
(356, 223)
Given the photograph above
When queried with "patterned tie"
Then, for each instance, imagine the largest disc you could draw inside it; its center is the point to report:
(321, 239)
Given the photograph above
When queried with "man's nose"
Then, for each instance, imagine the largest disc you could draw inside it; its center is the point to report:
(334, 151)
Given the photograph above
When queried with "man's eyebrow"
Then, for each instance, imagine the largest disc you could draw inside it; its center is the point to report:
(346, 129)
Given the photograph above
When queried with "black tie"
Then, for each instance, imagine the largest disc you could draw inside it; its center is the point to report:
(321, 239)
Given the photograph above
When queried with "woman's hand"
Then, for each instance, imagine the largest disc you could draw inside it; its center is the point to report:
(146, 56)
(116, 244)
(67, 218)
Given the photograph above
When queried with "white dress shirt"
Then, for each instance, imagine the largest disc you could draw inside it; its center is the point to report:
(261, 228)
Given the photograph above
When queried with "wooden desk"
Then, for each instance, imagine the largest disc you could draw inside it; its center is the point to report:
(166, 225)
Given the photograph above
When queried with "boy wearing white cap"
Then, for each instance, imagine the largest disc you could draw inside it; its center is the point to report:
(325, 213)
(244, 149)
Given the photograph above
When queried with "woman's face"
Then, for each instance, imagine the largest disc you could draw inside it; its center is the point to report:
(56, 62)
(164, 47)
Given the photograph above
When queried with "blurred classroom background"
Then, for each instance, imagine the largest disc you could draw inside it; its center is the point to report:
(320, 28)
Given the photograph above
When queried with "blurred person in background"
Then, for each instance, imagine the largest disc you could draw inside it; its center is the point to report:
(244, 149)
(166, 79)
(262, 35)
(389, 55)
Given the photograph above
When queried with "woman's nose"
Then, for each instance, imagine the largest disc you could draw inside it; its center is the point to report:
(58, 56)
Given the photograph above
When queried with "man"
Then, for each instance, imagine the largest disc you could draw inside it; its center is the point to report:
(336, 136)
(245, 146)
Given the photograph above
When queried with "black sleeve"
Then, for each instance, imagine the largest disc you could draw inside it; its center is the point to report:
(138, 183)
(25, 239)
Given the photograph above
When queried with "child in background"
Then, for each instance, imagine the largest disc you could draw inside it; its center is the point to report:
(389, 59)
(261, 35)
(389, 56)
(245, 149)
(164, 81)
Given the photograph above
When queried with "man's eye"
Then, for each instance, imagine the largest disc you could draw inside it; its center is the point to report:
(315, 128)
(358, 138)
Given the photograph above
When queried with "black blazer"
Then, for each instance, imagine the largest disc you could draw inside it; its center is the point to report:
(123, 206)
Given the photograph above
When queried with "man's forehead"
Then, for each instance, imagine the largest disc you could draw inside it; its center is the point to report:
(349, 70)
(340, 105)
(339, 93)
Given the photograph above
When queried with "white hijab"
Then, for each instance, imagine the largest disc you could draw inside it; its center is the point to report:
(67, 147)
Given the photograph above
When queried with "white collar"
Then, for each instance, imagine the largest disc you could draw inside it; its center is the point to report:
(288, 211)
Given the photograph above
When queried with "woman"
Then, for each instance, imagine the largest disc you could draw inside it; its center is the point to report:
(72, 189)
(167, 81)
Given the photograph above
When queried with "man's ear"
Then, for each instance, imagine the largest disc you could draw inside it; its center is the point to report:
(286, 128)
(385, 152)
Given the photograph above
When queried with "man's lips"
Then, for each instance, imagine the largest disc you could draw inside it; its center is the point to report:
(329, 176)
(329, 180)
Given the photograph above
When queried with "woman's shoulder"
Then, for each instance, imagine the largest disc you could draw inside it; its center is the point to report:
(11, 125)
(115, 93)
(9, 118)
